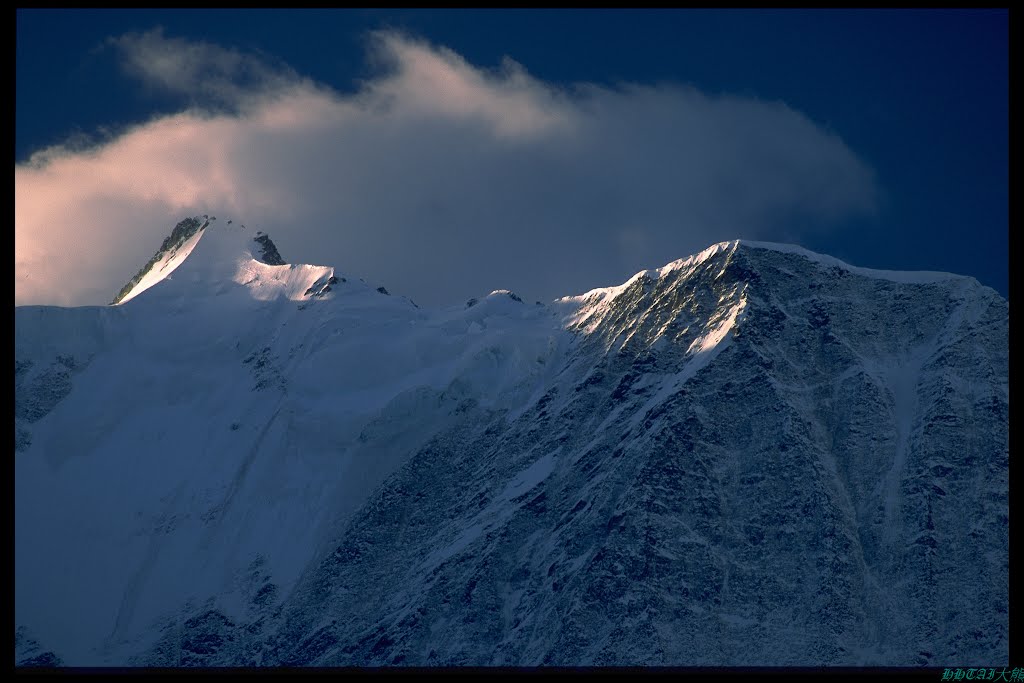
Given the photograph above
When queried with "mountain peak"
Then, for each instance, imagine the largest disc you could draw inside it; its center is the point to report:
(203, 257)
(269, 253)
(726, 253)
(172, 252)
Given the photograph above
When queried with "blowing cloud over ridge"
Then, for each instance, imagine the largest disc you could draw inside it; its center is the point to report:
(437, 178)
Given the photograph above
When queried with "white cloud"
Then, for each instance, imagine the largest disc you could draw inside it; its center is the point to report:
(438, 179)
(198, 69)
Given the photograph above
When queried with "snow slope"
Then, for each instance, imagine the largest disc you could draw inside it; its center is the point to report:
(733, 459)
(172, 253)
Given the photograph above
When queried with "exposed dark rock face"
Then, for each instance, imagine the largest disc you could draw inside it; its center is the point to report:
(268, 251)
(322, 286)
(831, 488)
(27, 652)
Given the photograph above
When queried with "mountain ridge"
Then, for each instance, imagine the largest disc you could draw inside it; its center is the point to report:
(269, 255)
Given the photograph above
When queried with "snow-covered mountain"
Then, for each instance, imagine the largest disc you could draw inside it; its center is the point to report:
(753, 456)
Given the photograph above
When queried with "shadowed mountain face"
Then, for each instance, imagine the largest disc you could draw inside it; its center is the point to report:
(754, 456)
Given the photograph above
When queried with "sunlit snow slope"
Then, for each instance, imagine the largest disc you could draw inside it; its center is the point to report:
(756, 455)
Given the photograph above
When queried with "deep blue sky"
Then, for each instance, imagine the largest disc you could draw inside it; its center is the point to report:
(920, 96)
